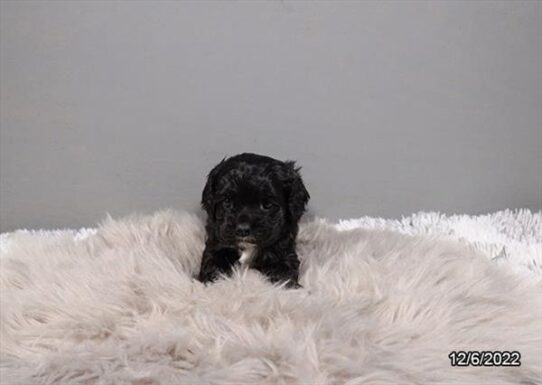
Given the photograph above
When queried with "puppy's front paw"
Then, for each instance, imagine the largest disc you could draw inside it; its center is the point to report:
(293, 285)
(206, 277)
(289, 283)
(216, 262)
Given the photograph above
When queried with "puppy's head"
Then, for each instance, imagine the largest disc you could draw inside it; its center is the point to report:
(254, 199)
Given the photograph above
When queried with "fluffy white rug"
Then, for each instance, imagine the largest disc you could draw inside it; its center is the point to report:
(117, 305)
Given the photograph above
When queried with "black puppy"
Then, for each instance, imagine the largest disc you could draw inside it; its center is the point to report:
(253, 206)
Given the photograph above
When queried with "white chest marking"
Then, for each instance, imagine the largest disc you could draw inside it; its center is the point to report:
(247, 253)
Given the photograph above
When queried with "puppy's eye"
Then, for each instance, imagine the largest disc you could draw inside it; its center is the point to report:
(227, 203)
(266, 205)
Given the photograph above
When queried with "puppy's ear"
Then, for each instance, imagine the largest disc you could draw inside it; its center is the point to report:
(296, 193)
(207, 197)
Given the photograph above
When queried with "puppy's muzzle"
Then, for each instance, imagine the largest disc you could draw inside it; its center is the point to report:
(242, 230)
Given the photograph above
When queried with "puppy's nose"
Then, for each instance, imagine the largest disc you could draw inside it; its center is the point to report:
(242, 230)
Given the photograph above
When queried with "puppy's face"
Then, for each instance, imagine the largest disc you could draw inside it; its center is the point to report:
(253, 200)
(249, 209)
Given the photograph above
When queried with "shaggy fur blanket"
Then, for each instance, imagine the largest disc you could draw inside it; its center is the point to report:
(118, 305)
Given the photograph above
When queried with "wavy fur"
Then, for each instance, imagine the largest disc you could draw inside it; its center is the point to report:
(120, 306)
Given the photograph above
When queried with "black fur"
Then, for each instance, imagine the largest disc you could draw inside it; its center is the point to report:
(261, 193)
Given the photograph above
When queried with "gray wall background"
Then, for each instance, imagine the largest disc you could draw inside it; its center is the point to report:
(391, 107)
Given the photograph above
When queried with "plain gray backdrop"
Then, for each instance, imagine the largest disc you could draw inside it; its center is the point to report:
(390, 107)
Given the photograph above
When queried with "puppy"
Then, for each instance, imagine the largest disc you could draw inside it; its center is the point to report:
(253, 206)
